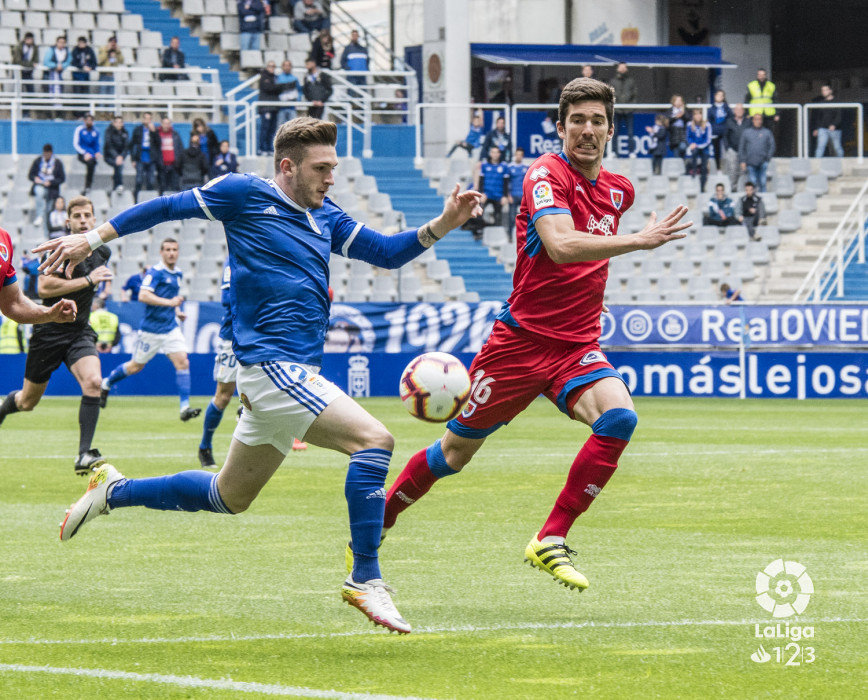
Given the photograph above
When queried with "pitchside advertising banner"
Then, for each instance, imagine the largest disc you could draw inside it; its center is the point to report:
(791, 351)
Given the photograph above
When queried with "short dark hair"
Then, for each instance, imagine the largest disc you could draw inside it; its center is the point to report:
(79, 201)
(749, 184)
(82, 38)
(28, 35)
(48, 148)
(585, 90)
(519, 149)
(167, 240)
(294, 137)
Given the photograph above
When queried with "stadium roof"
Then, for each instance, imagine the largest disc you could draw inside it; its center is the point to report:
(573, 54)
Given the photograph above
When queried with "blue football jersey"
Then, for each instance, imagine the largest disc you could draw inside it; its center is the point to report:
(226, 323)
(493, 176)
(164, 283)
(516, 179)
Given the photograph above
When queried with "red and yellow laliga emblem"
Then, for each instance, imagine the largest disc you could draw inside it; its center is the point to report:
(4, 252)
(617, 198)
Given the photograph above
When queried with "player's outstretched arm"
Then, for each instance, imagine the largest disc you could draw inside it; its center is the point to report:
(19, 308)
(566, 245)
(73, 248)
(458, 208)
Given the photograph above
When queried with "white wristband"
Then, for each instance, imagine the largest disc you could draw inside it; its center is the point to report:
(94, 240)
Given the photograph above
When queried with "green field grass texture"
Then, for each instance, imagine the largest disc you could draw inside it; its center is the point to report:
(145, 604)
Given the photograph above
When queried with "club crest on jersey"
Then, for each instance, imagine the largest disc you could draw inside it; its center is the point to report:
(592, 357)
(4, 252)
(542, 195)
(312, 222)
(617, 198)
(539, 172)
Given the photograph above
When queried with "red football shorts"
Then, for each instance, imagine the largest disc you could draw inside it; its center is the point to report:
(513, 368)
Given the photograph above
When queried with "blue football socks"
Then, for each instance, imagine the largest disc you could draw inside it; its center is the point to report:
(118, 373)
(183, 378)
(213, 416)
(190, 491)
(366, 500)
(437, 461)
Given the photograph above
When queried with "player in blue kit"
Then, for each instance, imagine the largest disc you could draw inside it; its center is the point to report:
(492, 179)
(159, 331)
(281, 233)
(516, 170)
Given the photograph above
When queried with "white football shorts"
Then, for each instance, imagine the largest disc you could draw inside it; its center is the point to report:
(225, 363)
(281, 400)
(149, 344)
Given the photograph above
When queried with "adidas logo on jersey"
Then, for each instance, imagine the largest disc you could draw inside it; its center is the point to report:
(272, 210)
(537, 173)
(379, 493)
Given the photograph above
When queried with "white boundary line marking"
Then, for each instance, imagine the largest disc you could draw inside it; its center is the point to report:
(193, 682)
(431, 630)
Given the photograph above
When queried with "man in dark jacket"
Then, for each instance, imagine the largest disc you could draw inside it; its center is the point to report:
(828, 124)
(755, 150)
(26, 55)
(83, 63)
(145, 154)
(192, 165)
(251, 23)
(224, 162)
(625, 93)
(317, 88)
(733, 129)
(355, 58)
(173, 57)
(117, 146)
(47, 175)
(269, 91)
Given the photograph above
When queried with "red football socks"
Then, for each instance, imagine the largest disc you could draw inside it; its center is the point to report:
(412, 483)
(592, 468)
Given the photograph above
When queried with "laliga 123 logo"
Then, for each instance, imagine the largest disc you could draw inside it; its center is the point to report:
(784, 588)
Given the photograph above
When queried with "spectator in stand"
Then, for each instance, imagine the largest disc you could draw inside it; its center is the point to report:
(355, 58)
(85, 140)
(251, 23)
(57, 220)
(83, 64)
(677, 126)
(516, 170)
(317, 89)
(718, 116)
(57, 59)
(735, 126)
(762, 91)
(309, 17)
(133, 284)
(322, 50)
(657, 144)
(169, 156)
(750, 211)
(721, 211)
(587, 71)
(225, 162)
(209, 144)
(30, 267)
(117, 147)
(474, 136)
(498, 138)
(26, 55)
(173, 57)
(192, 165)
(47, 175)
(625, 93)
(755, 150)
(828, 124)
(145, 154)
(290, 92)
(269, 91)
(729, 295)
(110, 58)
(698, 145)
(492, 179)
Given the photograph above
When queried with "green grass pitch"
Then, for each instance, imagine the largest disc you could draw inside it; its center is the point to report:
(145, 604)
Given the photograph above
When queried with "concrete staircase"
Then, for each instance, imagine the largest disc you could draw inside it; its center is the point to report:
(798, 251)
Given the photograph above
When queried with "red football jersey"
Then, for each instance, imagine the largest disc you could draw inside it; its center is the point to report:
(7, 272)
(564, 301)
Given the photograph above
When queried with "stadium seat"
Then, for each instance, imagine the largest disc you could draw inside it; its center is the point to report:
(358, 289)
(769, 235)
(360, 268)
(641, 168)
(469, 297)
(688, 186)
(744, 269)
(645, 203)
(409, 288)
(507, 256)
(682, 269)
(193, 8)
(831, 167)
(727, 250)
(379, 203)
(800, 168)
(365, 185)
(132, 23)
(652, 267)
(251, 60)
(784, 185)
(211, 25)
(789, 220)
(438, 270)
(738, 235)
(658, 185)
(453, 286)
(712, 269)
(494, 236)
(384, 286)
(280, 25)
(699, 287)
(83, 20)
(351, 168)
(770, 201)
(108, 21)
(758, 252)
(435, 168)
(669, 288)
(673, 168)
(817, 184)
(805, 202)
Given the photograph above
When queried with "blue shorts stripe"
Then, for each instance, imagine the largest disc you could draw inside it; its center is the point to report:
(280, 383)
(471, 433)
(589, 378)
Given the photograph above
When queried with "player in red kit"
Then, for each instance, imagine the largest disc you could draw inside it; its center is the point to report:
(545, 340)
(13, 303)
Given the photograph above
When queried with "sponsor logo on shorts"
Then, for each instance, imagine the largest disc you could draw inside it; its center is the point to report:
(592, 357)
(542, 195)
(246, 402)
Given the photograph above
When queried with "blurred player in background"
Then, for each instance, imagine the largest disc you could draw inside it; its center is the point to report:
(65, 340)
(545, 339)
(159, 331)
(281, 233)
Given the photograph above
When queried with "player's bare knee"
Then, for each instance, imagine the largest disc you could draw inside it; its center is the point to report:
(457, 456)
(26, 403)
(379, 437)
(90, 386)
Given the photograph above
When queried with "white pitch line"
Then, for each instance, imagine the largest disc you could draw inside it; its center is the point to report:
(193, 682)
(428, 630)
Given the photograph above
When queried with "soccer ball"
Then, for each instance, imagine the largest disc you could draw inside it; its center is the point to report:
(434, 387)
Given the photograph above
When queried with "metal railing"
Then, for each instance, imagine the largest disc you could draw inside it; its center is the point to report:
(380, 56)
(826, 277)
